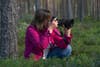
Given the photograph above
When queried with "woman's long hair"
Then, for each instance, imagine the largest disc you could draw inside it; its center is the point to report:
(41, 16)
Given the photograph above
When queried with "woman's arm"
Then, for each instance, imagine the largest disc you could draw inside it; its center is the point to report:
(60, 41)
(39, 40)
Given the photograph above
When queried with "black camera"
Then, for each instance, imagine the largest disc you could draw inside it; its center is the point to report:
(67, 23)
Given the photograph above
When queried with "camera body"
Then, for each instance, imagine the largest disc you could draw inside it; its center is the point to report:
(67, 23)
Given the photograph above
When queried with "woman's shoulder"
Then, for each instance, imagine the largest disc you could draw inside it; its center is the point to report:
(31, 28)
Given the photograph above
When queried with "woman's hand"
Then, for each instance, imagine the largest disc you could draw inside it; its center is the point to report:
(50, 29)
(68, 32)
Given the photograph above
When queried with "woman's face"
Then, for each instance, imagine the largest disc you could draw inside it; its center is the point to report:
(55, 23)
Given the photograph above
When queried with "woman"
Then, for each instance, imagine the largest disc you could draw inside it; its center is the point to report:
(36, 39)
(60, 46)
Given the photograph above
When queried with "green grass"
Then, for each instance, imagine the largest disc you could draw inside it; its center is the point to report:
(85, 44)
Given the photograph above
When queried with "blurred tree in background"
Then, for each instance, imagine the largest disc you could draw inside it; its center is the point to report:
(61, 8)
(8, 31)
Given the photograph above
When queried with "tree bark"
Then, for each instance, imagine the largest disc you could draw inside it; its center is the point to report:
(62, 8)
(81, 9)
(28, 6)
(92, 8)
(97, 10)
(36, 4)
(69, 10)
(50, 6)
(8, 32)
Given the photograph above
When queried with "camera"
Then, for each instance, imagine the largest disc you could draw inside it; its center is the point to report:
(67, 23)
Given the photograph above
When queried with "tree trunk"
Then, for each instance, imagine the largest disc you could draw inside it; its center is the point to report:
(81, 9)
(97, 10)
(69, 10)
(62, 8)
(54, 8)
(93, 9)
(37, 4)
(28, 5)
(46, 4)
(8, 33)
(50, 6)
(85, 7)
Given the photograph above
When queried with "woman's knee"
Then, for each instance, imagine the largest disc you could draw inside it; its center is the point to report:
(69, 48)
(67, 51)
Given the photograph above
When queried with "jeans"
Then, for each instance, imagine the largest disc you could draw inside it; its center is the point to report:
(60, 53)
